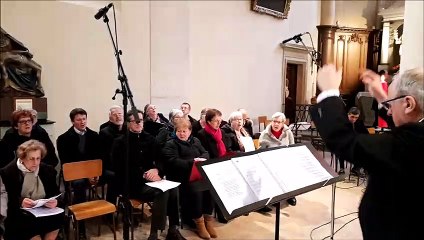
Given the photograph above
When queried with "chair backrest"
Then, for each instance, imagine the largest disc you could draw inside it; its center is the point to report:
(256, 143)
(371, 130)
(261, 120)
(267, 122)
(82, 169)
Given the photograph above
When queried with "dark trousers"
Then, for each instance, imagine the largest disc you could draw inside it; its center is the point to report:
(108, 177)
(164, 204)
(195, 203)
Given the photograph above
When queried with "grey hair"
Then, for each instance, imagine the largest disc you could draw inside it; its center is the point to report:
(113, 107)
(279, 115)
(173, 113)
(411, 82)
(234, 115)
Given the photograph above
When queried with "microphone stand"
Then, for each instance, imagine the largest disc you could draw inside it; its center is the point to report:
(124, 203)
(315, 55)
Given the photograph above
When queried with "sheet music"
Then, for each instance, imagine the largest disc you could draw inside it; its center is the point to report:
(230, 186)
(163, 185)
(248, 144)
(257, 176)
(43, 211)
(294, 167)
(41, 202)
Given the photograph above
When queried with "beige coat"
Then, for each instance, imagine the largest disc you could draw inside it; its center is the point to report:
(268, 140)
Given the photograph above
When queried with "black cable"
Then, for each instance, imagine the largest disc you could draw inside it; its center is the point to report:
(310, 234)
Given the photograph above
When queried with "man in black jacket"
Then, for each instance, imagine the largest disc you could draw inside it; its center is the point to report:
(359, 127)
(79, 143)
(393, 160)
(142, 168)
(107, 135)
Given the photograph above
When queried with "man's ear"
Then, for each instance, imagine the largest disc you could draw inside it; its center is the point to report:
(411, 104)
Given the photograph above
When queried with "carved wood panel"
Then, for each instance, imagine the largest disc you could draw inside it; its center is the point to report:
(350, 50)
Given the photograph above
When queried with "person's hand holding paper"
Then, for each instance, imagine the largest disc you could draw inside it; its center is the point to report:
(52, 203)
(28, 203)
(152, 175)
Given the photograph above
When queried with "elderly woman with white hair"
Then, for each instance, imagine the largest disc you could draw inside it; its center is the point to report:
(235, 132)
(23, 182)
(277, 133)
(168, 129)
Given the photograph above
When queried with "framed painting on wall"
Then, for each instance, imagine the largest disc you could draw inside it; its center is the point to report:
(276, 8)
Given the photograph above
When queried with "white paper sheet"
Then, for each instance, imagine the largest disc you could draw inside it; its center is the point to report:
(41, 202)
(163, 185)
(248, 144)
(294, 167)
(232, 189)
(258, 177)
(43, 211)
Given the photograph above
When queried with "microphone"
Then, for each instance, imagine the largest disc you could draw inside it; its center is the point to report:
(102, 11)
(294, 37)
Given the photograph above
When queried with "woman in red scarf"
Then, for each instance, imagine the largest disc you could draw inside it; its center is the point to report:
(211, 137)
(214, 141)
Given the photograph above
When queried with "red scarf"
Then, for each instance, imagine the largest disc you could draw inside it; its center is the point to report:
(277, 134)
(217, 136)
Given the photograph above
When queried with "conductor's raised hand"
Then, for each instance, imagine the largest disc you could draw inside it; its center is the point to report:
(328, 78)
(373, 82)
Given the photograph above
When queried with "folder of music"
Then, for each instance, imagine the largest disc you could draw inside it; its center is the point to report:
(249, 181)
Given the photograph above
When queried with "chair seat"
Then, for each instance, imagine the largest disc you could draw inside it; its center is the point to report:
(91, 209)
(135, 203)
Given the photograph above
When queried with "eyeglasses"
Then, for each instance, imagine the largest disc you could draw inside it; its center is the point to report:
(29, 121)
(386, 103)
(133, 121)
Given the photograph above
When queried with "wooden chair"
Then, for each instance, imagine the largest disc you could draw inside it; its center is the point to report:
(90, 209)
(267, 122)
(261, 120)
(371, 130)
(256, 143)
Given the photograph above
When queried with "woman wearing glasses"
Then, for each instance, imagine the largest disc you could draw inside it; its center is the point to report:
(22, 130)
(277, 133)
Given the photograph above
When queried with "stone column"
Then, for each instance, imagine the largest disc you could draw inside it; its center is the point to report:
(326, 32)
(328, 12)
(385, 41)
(412, 39)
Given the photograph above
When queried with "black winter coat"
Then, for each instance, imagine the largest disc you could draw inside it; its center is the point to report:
(394, 162)
(179, 157)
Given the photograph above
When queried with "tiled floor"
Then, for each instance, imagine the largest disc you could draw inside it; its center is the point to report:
(311, 211)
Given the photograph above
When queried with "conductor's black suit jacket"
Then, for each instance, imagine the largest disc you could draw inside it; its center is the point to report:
(394, 161)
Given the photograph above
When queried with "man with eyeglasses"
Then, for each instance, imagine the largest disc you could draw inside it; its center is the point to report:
(143, 167)
(393, 160)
